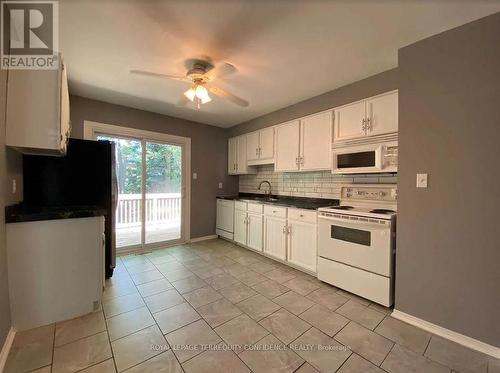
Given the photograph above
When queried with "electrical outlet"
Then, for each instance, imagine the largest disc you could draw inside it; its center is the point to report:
(421, 180)
(195, 176)
(220, 185)
(14, 186)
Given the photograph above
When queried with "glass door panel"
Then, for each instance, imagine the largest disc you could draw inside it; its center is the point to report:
(163, 192)
(129, 171)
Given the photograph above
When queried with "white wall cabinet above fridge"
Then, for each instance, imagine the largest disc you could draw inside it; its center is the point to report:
(260, 147)
(305, 144)
(43, 126)
(374, 116)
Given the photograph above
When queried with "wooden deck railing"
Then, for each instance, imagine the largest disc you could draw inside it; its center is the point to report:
(160, 207)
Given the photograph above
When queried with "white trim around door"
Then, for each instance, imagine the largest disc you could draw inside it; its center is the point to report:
(92, 129)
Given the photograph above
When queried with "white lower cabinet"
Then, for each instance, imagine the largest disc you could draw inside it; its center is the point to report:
(255, 223)
(275, 237)
(302, 243)
(240, 226)
(286, 234)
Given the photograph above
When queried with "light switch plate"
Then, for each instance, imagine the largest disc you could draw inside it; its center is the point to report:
(220, 185)
(195, 176)
(421, 180)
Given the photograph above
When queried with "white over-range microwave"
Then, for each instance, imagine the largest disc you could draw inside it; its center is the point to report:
(362, 159)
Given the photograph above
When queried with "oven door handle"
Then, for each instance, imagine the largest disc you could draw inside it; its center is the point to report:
(356, 223)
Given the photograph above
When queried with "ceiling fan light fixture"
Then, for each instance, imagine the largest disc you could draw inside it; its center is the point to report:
(202, 94)
(190, 94)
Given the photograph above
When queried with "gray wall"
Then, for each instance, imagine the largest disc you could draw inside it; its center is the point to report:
(383, 82)
(448, 246)
(208, 152)
(4, 291)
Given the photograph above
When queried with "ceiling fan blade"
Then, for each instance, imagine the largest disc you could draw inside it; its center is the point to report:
(221, 69)
(227, 95)
(158, 75)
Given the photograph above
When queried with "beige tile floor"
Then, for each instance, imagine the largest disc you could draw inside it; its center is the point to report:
(215, 307)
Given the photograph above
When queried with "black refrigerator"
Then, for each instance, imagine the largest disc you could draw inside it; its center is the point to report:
(84, 178)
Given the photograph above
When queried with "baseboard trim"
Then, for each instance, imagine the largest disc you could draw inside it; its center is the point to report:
(204, 238)
(461, 339)
(6, 348)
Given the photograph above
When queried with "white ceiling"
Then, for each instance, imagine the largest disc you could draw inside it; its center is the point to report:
(285, 51)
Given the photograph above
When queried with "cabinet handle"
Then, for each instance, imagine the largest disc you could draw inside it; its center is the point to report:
(363, 125)
(297, 161)
(302, 161)
(256, 151)
(260, 151)
(284, 229)
(289, 229)
(369, 124)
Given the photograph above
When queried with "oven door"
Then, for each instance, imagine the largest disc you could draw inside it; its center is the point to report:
(361, 244)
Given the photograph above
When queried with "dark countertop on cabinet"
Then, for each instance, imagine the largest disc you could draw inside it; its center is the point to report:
(287, 201)
(22, 213)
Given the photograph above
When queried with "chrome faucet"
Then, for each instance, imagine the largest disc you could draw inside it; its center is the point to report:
(268, 183)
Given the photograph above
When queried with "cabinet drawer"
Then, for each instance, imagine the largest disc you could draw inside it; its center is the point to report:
(256, 207)
(308, 216)
(225, 202)
(277, 211)
(239, 205)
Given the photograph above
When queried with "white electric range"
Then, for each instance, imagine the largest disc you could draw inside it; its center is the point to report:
(356, 242)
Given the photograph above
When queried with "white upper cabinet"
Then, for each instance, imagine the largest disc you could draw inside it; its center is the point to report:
(304, 145)
(253, 146)
(260, 147)
(43, 126)
(287, 146)
(232, 157)
(316, 142)
(237, 155)
(374, 116)
(382, 114)
(266, 151)
(349, 121)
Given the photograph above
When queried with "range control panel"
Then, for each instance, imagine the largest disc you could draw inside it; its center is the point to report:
(370, 193)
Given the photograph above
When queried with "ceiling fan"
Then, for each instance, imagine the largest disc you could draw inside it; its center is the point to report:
(200, 74)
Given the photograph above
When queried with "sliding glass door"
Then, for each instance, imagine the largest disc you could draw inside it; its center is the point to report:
(150, 183)
(163, 192)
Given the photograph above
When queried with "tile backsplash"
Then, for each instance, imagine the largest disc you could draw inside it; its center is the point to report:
(319, 184)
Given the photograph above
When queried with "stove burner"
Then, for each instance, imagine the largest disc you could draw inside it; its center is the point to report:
(382, 211)
(343, 207)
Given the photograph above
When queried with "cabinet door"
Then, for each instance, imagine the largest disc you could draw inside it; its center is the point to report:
(240, 226)
(349, 121)
(225, 211)
(232, 155)
(254, 236)
(275, 237)
(382, 112)
(266, 143)
(316, 142)
(252, 146)
(302, 244)
(241, 155)
(287, 146)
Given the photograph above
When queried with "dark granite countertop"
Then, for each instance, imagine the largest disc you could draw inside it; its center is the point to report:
(22, 213)
(286, 201)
